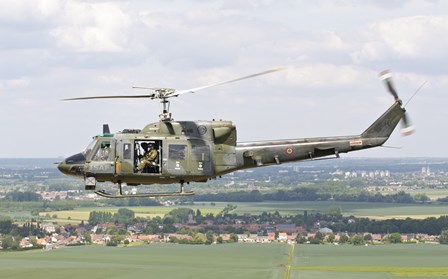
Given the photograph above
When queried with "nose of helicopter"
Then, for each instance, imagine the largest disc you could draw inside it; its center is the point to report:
(63, 167)
(73, 165)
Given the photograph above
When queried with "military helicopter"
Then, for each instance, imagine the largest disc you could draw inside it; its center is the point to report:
(196, 151)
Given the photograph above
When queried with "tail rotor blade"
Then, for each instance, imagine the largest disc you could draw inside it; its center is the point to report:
(407, 128)
(386, 76)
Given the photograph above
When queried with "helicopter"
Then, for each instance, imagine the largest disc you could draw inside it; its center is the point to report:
(171, 152)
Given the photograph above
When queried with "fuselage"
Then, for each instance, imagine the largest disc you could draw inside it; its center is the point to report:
(195, 151)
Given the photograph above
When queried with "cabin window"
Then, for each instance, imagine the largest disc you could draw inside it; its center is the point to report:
(127, 151)
(177, 151)
(103, 152)
(200, 153)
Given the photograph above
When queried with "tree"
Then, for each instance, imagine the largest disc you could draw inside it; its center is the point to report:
(335, 211)
(300, 239)
(421, 198)
(124, 216)
(199, 238)
(357, 240)
(314, 240)
(98, 217)
(443, 239)
(343, 238)
(6, 225)
(331, 237)
(233, 237)
(199, 217)
(319, 236)
(219, 240)
(114, 241)
(9, 243)
(87, 238)
(126, 242)
(19, 196)
(210, 237)
(394, 238)
(368, 237)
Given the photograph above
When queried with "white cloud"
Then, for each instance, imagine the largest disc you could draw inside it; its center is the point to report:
(28, 11)
(92, 27)
(319, 75)
(416, 37)
(333, 50)
(15, 83)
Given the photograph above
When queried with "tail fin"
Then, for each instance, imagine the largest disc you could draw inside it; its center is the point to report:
(385, 125)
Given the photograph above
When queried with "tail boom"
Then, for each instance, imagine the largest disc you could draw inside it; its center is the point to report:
(260, 153)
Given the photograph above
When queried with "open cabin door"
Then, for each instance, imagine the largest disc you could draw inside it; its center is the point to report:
(147, 156)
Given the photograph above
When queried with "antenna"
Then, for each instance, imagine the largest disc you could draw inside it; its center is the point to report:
(415, 93)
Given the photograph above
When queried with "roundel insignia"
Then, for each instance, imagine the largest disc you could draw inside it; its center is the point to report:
(202, 130)
(289, 150)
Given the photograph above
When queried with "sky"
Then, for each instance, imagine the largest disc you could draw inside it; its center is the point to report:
(333, 52)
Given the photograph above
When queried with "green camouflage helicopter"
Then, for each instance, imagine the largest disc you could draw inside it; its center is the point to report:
(169, 151)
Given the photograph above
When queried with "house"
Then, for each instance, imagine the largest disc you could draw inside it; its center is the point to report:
(271, 236)
(49, 228)
(282, 237)
(288, 228)
(326, 230)
(26, 243)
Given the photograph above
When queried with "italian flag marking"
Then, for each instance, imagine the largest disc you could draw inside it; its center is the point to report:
(289, 150)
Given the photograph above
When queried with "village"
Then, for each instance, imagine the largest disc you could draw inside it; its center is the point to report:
(228, 228)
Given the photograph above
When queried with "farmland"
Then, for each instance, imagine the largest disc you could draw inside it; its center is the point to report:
(230, 261)
(380, 261)
(155, 261)
(359, 209)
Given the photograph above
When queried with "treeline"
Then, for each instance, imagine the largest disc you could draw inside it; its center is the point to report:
(11, 234)
(310, 194)
(132, 202)
(431, 226)
(7, 227)
(123, 216)
(23, 196)
(28, 196)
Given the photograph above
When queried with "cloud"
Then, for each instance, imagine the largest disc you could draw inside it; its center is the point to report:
(92, 27)
(416, 37)
(333, 50)
(22, 11)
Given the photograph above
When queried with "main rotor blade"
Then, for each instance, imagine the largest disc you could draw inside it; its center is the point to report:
(193, 90)
(109, 97)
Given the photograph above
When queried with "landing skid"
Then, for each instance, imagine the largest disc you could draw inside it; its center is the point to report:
(181, 193)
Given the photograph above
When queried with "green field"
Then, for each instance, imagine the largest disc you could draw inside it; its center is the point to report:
(380, 261)
(360, 209)
(151, 261)
(229, 261)
(82, 214)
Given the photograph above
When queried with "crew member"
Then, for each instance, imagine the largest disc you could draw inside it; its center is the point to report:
(149, 158)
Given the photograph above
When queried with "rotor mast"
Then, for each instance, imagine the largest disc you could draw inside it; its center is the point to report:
(165, 115)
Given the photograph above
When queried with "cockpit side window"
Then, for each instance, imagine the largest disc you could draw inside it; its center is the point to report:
(103, 152)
